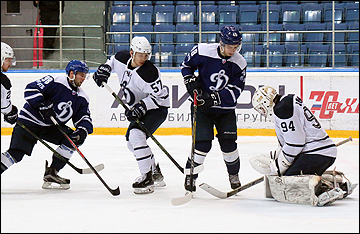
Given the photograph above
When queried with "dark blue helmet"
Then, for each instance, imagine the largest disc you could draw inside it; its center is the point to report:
(76, 66)
(230, 35)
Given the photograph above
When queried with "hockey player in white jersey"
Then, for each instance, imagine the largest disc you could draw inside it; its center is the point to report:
(220, 81)
(8, 59)
(305, 151)
(148, 102)
(59, 96)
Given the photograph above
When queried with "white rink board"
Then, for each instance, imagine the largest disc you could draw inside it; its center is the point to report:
(327, 91)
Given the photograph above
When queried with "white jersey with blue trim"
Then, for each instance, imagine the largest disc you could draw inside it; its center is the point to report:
(140, 83)
(225, 75)
(6, 105)
(68, 102)
(298, 130)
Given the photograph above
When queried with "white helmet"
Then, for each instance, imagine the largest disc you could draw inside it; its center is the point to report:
(263, 100)
(7, 52)
(141, 45)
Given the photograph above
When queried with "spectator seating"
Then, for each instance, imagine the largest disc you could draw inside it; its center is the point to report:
(227, 14)
(185, 38)
(248, 14)
(143, 14)
(252, 54)
(294, 55)
(163, 55)
(164, 37)
(209, 37)
(251, 37)
(208, 14)
(351, 12)
(276, 53)
(315, 37)
(142, 2)
(274, 14)
(353, 51)
(164, 2)
(181, 50)
(353, 36)
(291, 13)
(340, 55)
(339, 36)
(274, 38)
(185, 14)
(293, 37)
(318, 55)
(120, 38)
(312, 13)
(339, 12)
(143, 28)
(120, 14)
(164, 14)
(119, 3)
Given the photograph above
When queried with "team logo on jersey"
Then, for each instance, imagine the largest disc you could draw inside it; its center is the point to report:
(66, 111)
(221, 79)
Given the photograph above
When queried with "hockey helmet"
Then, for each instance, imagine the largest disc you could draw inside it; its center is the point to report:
(7, 52)
(141, 45)
(76, 66)
(263, 100)
(230, 35)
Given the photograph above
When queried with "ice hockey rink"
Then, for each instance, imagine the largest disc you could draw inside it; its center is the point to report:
(89, 207)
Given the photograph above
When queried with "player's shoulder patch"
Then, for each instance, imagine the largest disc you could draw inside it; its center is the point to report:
(5, 81)
(122, 56)
(284, 109)
(148, 72)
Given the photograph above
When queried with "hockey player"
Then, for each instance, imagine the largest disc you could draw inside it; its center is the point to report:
(220, 81)
(148, 100)
(61, 97)
(8, 59)
(305, 152)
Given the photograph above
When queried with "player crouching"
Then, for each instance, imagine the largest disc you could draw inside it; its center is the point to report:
(296, 170)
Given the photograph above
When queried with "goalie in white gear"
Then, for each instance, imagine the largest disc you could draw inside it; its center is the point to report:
(304, 149)
(148, 102)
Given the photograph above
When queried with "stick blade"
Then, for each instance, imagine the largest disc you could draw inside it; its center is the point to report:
(182, 200)
(116, 191)
(213, 191)
(99, 167)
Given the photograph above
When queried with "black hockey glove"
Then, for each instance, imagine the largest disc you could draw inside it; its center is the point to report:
(46, 109)
(12, 116)
(102, 74)
(78, 136)
(207, 100)
(192, 84)
(136, 112)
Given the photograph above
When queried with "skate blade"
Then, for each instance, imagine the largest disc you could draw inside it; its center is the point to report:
(159, 184)
(52, 185)
(149, 189)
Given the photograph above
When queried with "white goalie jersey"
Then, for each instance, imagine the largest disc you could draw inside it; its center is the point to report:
(140, 83)
(298, 130)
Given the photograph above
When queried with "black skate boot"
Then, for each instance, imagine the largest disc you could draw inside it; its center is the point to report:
(188, 186)
(52, 180)
(234, 181)
(158, 177)
(144, 184)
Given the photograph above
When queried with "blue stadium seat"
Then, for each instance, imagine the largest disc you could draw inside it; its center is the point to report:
(276, 53)
(164, 2)
(180, 52)
(353, 51)
(142, 2)
(312, 13)
(208, 14)
(119, 3)
(164, 14)
(211, 3)
(228, 3)
(209, 37)
(185, 2)
(351, 12)
(248, 14)
(227, 14)
(274, 14)
(288, 2)
(163, 55)
(293, 37)
(143, 14)
(291, 13)
(315, 37)
(274, 38)
(250, 38)
(339, 12)
(185, 14)
(143, 28)
(120, 14)
(247, 3)
(294, 55)
(318, 55)
(339, 36)
(120, 38)
(164, 37)
(340, 56)
(252, 55)
(353, 36)
(186, 38)
(264, 2)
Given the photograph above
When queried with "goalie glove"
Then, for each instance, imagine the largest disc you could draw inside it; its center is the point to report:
(102, 74)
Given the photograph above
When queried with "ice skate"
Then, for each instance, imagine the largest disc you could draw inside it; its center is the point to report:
(234, 181)
(328, 197)
(144, 184)
(188, 187)
(348, 188)
(158, 177)
(52, 180)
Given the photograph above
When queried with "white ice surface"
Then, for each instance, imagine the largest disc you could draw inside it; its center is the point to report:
(89, 207)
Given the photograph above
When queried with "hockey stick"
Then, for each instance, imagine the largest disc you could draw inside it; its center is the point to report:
(199, 168)
(56, 154)
(344, 141)
(189, 194)
(213, 191)
(114, 192)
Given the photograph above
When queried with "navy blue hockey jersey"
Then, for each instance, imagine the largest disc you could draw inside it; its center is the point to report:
(225, 75)
(68, 103)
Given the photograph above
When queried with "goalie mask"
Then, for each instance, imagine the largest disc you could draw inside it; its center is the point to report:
(263, 100)
(141, 45)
